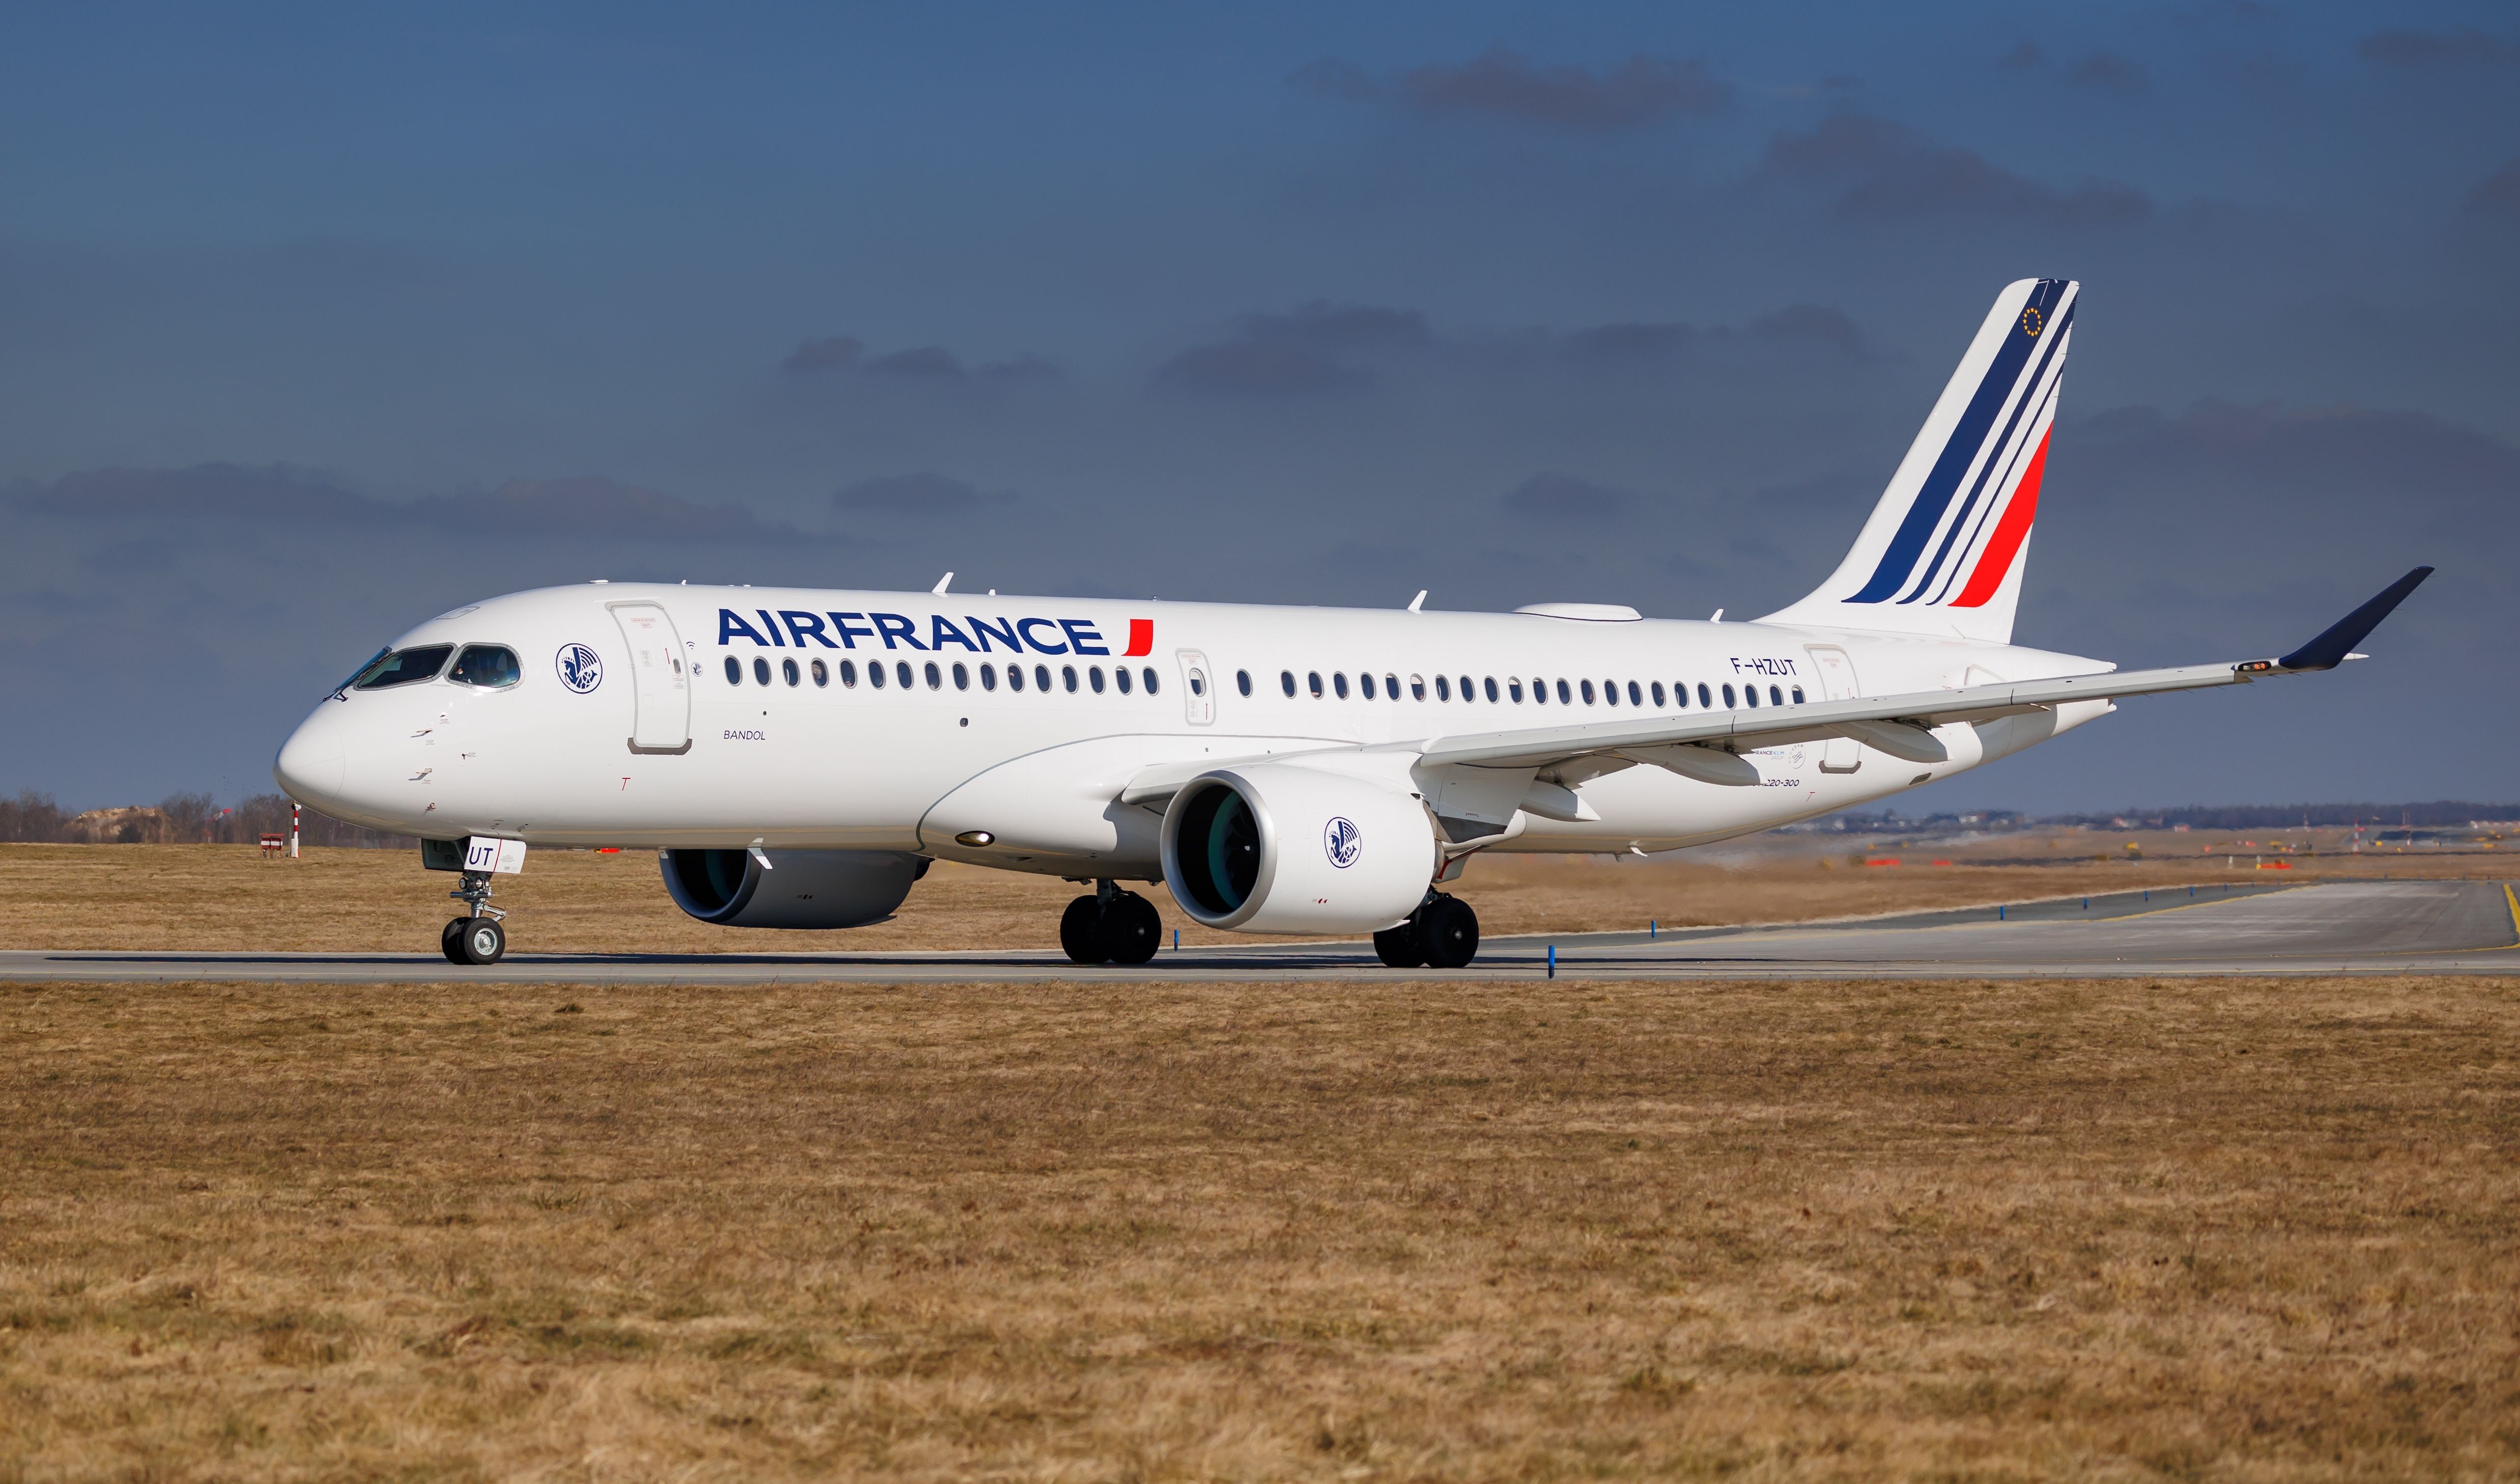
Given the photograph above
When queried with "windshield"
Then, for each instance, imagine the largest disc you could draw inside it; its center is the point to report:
(403, 666)
(488, 665)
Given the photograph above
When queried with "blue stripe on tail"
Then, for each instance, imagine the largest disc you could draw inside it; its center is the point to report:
(1899, 563)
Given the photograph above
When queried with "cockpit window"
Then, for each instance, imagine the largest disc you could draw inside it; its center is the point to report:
(488, 665)
(404, 666)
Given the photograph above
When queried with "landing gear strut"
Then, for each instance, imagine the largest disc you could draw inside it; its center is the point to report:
(1110, 926)
(1442, 933)
(479, 938)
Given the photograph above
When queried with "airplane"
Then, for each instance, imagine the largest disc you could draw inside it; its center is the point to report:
(799, 758)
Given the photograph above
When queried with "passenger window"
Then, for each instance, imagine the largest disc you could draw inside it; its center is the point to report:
(1513, 688)
(1466, 688)
(1729, 702)
(733, 671)
(1750, 696)
(935, 676)
(1443, 688)
(1492, 687)
(1120, 677)
(1286, 683)
(488, 666)
(1314, 679)
(1610, 692)
(822, 675)
(901, 672)
(760, 671)
(1391, 686)
(1657, 694)
(1417, 687)
(1148, 675)
(1067, 676)
(962, 676)
(1242, 682)
(1094, 678)
(788, 672)
(404, 667)
(1041, 677)
(1798, 696)
(1339, 683)
(1364, 686)
(1679, 694)
(1775, 698)
(988, 677)
(1563, 698)
(1588, 693)
(849, 673)
(874, 673)
(1703, 698)
(1637, 697)
(1014, 677)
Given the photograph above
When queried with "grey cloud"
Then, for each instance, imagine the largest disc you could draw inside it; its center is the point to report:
(828, 354)
(1629, 343)
(2022, 58)
(1812, 324)
(1306, 352)
(1886, 170)
(2401, 48)
(223, 494)
(1504, 84)
(2498, 194)
(919, 361)
(920, 496)
(1564, 497)
(2108, 70)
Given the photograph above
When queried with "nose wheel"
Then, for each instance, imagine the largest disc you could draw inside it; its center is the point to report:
(480, 938)
(1442, 933)
(1110, 926)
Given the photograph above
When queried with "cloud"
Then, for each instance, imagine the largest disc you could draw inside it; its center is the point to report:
(1309, 351)
(918, 496)
(1810, 324)
(828, 354)
(2498, 194)
(1564, 497)
(1885, 171)
(1504, 84)
(2022, 58)
(1627, 345)
(2108, 70)
(218, 496)
(2400, 48)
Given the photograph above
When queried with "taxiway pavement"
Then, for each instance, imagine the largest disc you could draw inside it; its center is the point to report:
(2347, 928)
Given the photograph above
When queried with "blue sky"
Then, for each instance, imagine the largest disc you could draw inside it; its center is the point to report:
(317, 320)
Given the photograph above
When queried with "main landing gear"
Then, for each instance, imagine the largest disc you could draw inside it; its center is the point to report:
(1442, 933)
(479, 938)
(1110, 926)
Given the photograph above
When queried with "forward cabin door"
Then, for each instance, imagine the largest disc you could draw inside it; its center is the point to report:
(1198, 687)
(660, 681)
(1837, 683)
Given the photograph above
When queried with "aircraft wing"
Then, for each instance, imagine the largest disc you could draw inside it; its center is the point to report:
(1899, 725)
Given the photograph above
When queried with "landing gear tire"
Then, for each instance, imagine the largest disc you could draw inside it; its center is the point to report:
(1448, 934)
(1132, 929)
(1398, 947)
(483, 942)
(1080, 931)
(450, 939)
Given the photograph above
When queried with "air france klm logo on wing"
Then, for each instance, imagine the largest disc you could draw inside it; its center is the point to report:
(794, 628)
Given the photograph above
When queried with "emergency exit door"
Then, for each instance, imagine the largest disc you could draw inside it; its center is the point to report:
(1198, 687)
(661, 679)
(1838, 754)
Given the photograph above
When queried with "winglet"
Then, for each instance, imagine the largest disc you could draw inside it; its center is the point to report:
(2334, 647)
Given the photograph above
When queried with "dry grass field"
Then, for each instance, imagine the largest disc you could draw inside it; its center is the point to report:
(228, 897)
(2124, 1229)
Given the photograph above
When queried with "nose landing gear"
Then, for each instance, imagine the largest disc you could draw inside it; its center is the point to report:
(479, 938)
(1110, 926)
(1442, 933)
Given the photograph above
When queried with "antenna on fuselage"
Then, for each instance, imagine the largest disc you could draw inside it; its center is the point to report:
(942, 583)
(1413, 602)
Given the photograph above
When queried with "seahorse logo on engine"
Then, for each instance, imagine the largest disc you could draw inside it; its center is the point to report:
(1343, 840)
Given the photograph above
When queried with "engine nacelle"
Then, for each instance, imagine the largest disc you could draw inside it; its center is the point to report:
(804, 888)
(1280, 847)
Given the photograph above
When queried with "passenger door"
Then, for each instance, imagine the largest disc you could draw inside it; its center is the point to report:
(660, 682)
(1198, 687)
(1837, 683)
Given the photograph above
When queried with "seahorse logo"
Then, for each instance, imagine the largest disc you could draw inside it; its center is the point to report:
(1343, 840)
(580, 668)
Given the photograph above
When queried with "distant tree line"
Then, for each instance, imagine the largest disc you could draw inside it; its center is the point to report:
(2438, 812)
(179, 819)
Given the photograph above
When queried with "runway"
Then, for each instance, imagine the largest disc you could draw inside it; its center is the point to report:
(2351, 927)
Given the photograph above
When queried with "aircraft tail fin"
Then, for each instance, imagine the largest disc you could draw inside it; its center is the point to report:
(1944, 550)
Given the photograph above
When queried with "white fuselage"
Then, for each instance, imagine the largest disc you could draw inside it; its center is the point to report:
(909, 767)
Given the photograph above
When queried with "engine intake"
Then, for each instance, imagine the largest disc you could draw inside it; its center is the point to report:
(1280, 847)
(804, 888)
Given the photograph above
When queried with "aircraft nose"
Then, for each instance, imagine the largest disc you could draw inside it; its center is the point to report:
(310, 763)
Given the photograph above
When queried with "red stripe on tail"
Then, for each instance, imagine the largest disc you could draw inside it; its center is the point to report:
(2009, 533)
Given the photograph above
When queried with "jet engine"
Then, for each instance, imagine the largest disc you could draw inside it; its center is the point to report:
(790, 888)
(1280, 847)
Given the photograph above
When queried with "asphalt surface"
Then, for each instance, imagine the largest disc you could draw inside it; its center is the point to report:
(2430, 927)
